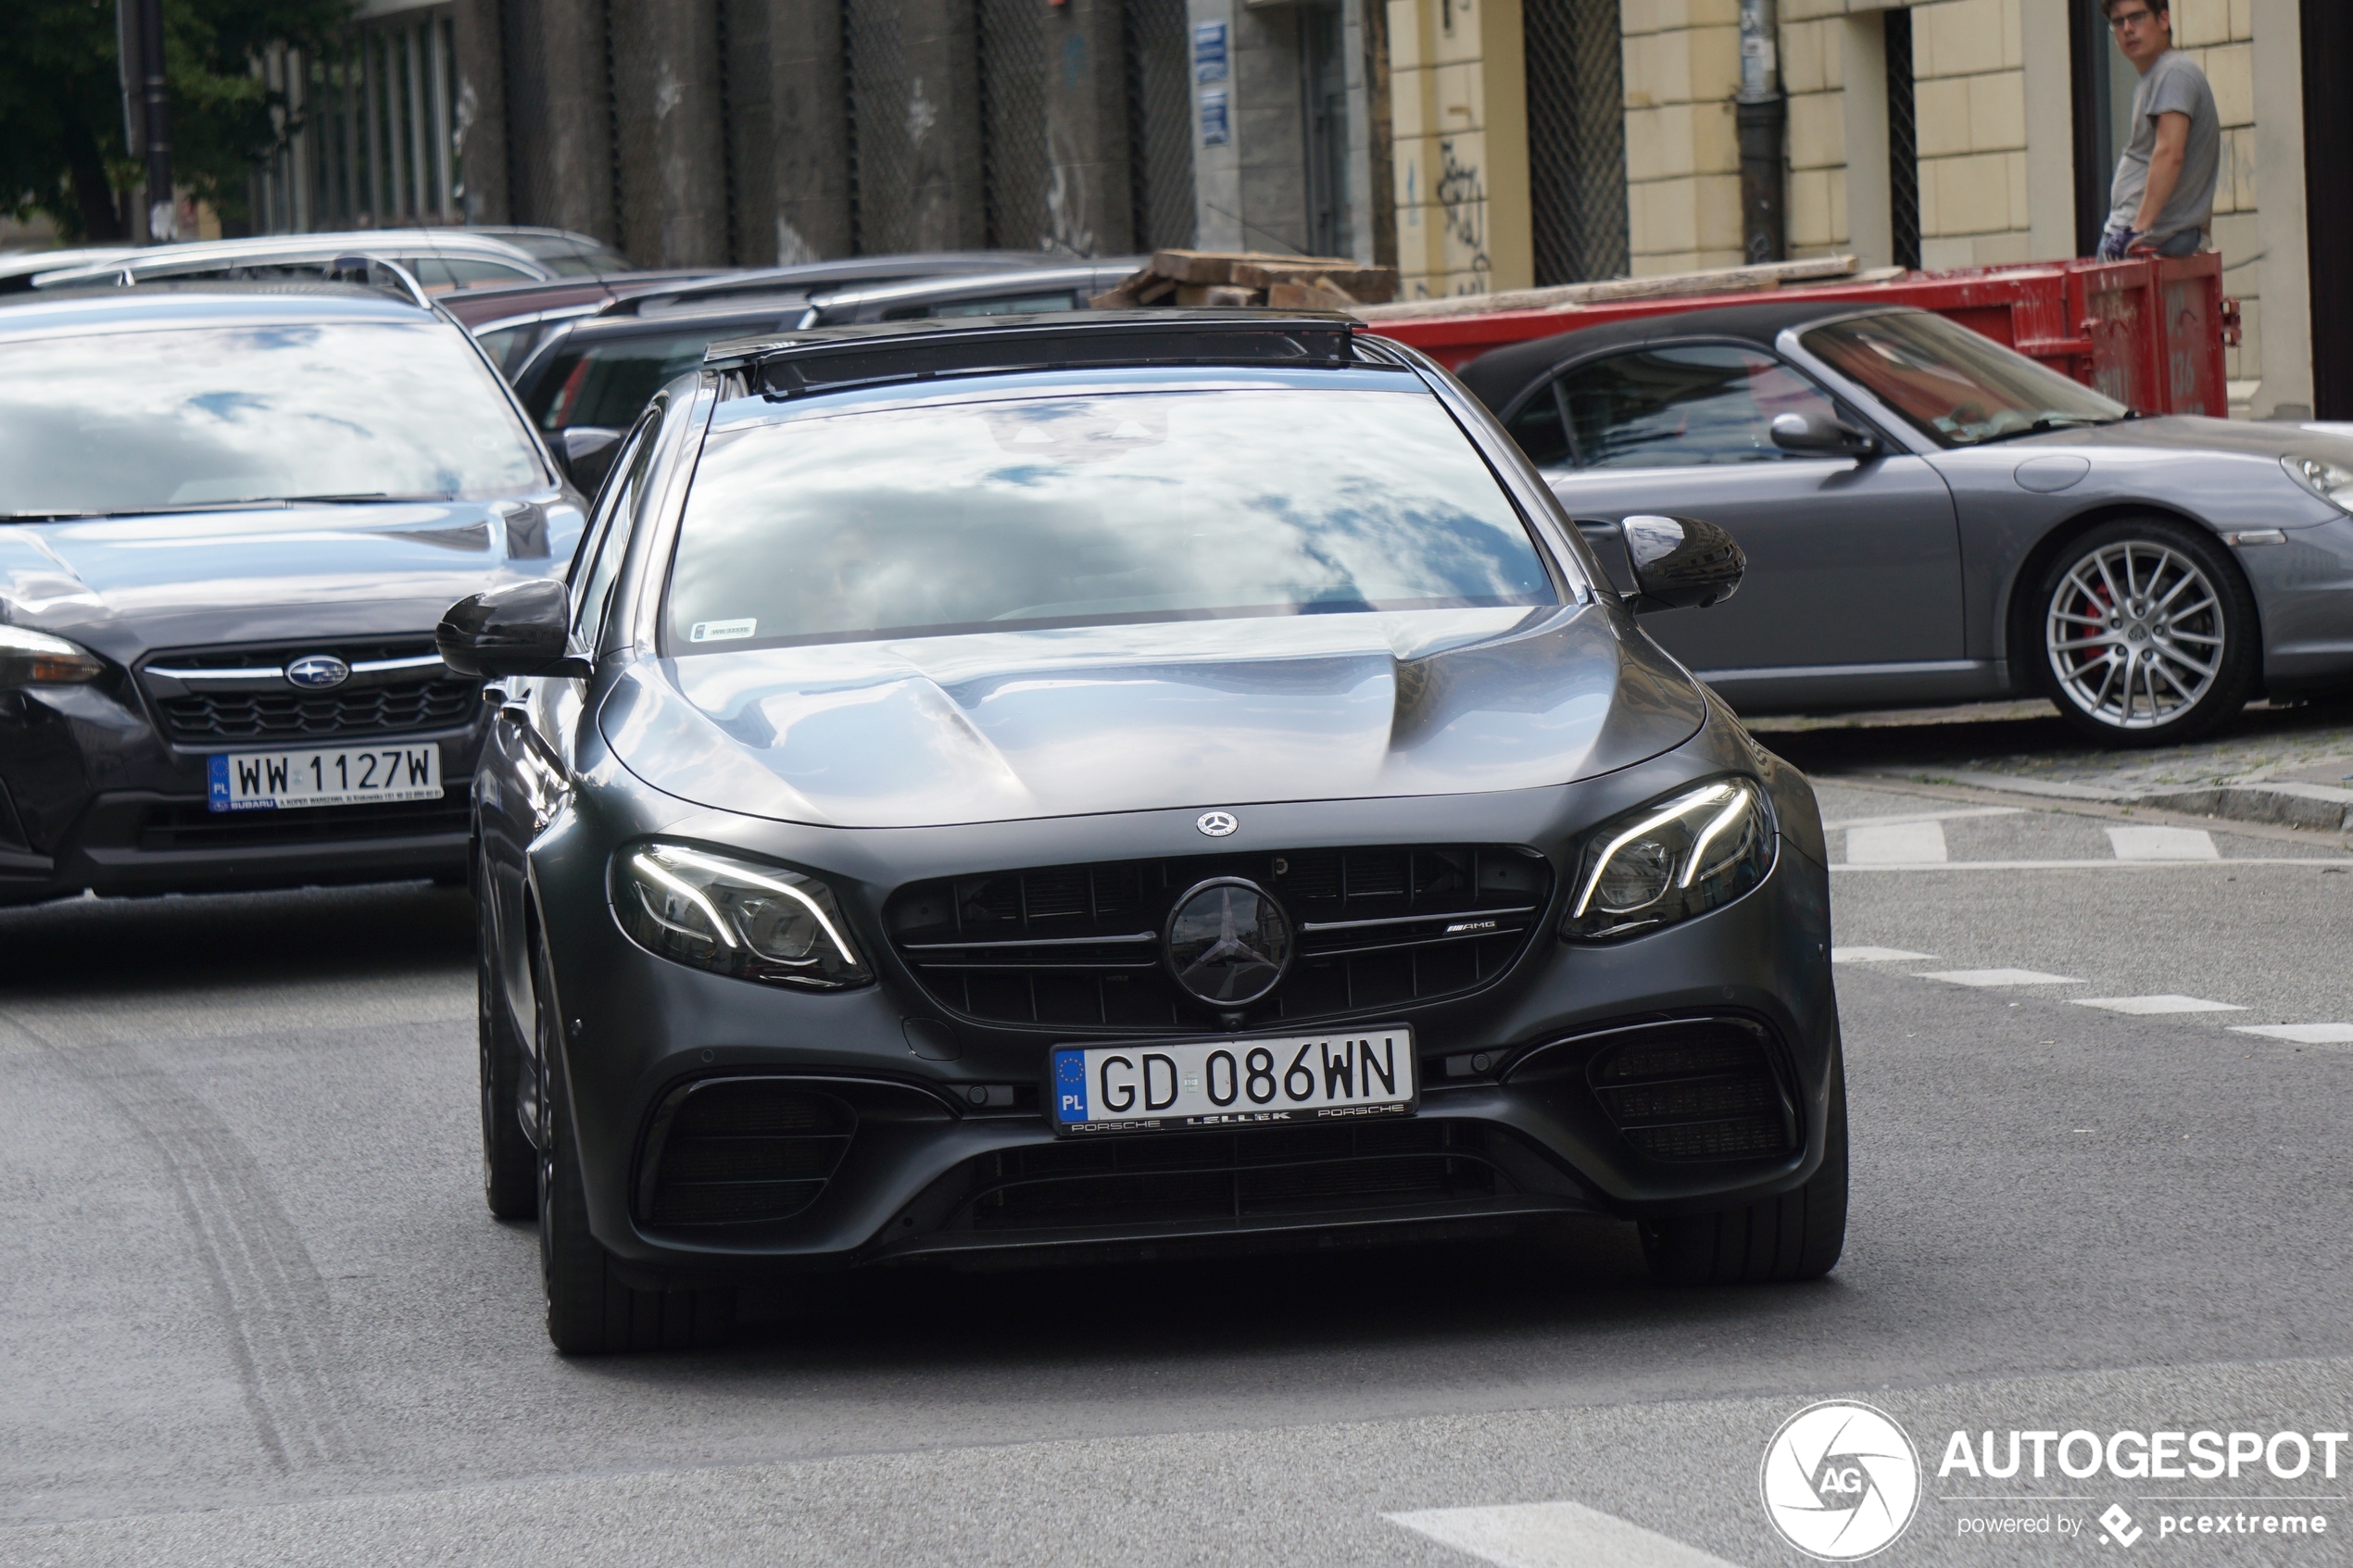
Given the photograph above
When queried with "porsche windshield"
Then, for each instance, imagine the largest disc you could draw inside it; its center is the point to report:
(1088, 511)
(214, 416)
(1959, 389)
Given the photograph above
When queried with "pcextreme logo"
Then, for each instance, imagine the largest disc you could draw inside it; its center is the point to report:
(1840, 1481)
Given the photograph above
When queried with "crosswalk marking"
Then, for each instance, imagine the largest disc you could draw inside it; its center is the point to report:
(1924, 817)
(1876, 955)
(1895, 844)
(2163, 844)
(2300, 1034)
(1553, 1535)
(1998, 977)
(2144, 1006)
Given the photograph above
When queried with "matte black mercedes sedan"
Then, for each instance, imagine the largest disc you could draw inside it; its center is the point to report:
(1929, 517)
(1123, 783)
(230, 516)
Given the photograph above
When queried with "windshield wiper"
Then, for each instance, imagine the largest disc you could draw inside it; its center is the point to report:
(246, 505)
(2043, 425)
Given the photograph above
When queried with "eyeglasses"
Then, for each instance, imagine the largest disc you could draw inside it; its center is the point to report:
(2131, 19)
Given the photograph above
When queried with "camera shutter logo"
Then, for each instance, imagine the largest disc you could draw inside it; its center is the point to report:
(1840, 1481)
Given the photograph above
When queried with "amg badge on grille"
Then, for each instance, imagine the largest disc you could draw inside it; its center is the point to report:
(317, 672)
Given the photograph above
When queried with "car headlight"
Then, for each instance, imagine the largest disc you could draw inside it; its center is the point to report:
(755, 922)
(35, 659)
(2332, 483)
(1671, 860)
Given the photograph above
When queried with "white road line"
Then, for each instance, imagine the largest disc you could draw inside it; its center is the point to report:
(1875, 954)
(2088, 865)
(1553, 1535)
(2163, 844)
(1997, 977)
(1899, 843)
(2167, 1002)
(1924, 817)
(2300, 1034)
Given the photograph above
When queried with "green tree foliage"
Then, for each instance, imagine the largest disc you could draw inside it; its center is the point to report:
(62, 148)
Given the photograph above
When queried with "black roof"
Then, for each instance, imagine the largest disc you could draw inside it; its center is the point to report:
(1497, 376)
(823, 359)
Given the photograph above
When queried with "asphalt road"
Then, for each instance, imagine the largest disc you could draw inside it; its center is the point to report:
(253, 1310)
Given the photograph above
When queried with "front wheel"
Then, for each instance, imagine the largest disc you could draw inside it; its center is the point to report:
(2148, 633)
(1797, 1235)
(590, 1311)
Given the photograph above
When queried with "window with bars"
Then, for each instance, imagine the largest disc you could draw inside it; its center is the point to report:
(1022, 205)
(375, 130)
(1576, 139)
(1160, 125)
(1902, 142)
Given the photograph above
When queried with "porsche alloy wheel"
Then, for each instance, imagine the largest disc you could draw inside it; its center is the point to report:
(2148, 633)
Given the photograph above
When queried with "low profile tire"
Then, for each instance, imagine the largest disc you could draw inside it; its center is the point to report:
(590, 1312)
(510, 1165)
(1797, 1235)
(2145, 632)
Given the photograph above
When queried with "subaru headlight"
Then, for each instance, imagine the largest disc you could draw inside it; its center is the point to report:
(1671, 860)
(2332, 483)
(35, 659)
(751, 922)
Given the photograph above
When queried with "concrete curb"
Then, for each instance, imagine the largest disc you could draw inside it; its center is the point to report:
(2315, 808)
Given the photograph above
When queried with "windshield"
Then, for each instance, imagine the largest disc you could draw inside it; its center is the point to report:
(1959, 389)
(145, 421)
(1070, 511)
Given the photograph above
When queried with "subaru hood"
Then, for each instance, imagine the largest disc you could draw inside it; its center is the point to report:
(929, 732)
(124, 584)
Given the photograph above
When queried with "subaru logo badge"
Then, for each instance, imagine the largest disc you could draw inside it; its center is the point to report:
(1217, 825)
(317, 672)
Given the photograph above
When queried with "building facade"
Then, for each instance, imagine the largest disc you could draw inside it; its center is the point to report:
(1477, 144)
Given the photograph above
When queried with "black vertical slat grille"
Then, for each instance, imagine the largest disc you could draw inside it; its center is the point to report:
(1230, 1176)
(1080, 945)
(1576, 139)
(1160, 123)
(1902, 142)
(882, 107)
(1025, 209)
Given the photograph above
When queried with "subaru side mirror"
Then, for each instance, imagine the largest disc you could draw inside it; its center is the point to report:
(1680, 563)
(516, 629)
(1812, 433)
(586, 453)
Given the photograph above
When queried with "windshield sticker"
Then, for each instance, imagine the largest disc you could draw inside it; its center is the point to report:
(721, 631)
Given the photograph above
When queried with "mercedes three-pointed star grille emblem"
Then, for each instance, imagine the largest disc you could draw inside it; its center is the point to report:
(1229, 942)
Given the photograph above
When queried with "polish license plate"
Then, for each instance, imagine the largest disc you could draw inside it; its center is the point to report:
(1162, 1087)
(262, 781)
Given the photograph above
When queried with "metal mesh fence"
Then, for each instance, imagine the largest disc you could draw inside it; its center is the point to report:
(1160, 123)
(374, 131)
(1576, 139)
(882, 152)
(1902, 142)
(1016, 167)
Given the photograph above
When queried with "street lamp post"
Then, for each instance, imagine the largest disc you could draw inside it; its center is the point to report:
(162, 212)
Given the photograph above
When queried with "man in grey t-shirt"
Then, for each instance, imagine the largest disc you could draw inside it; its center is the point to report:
(2163, 192)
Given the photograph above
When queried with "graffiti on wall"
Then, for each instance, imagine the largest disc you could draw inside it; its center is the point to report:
(1462, 204)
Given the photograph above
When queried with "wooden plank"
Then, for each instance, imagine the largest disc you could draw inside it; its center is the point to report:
(1215, 294)
(1363, 285)
(1724, 280)
(1306, 296)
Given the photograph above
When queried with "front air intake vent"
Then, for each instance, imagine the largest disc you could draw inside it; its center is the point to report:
(740, 1151)
(1697, 1089)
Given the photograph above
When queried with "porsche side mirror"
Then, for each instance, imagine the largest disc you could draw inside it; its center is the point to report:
(586, 453)
(518, 629)
(1681, 563)
(1812, 433)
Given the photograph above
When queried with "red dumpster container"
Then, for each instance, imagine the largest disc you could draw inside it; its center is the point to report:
(2149, 333)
